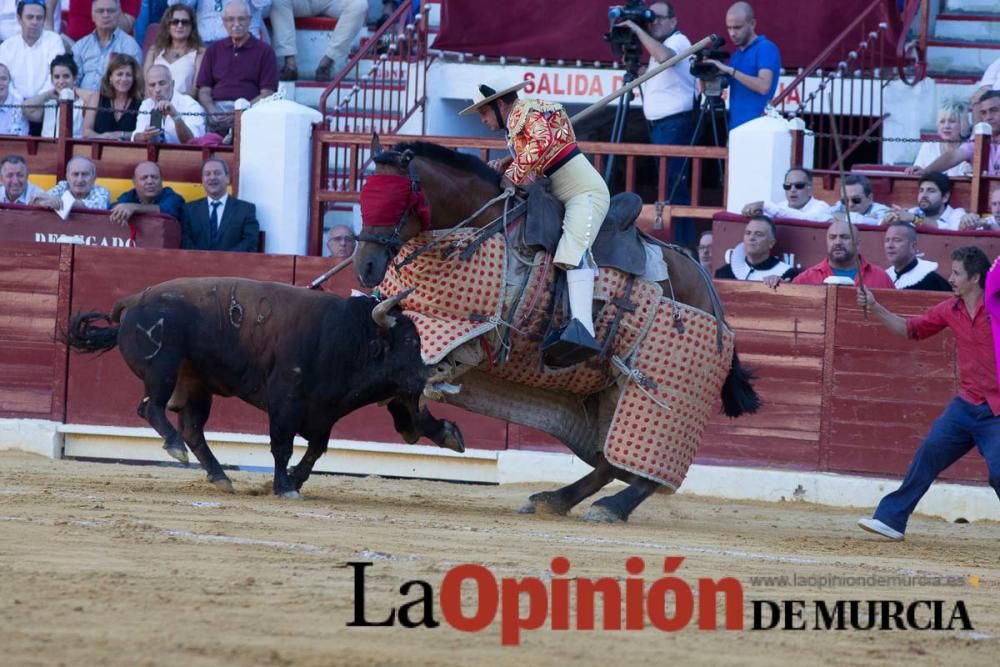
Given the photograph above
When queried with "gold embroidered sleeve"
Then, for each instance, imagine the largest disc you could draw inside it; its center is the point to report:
(531, 146)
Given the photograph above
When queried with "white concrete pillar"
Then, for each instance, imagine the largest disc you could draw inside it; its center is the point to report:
(912, 109)
(759, 155)
(275, 166)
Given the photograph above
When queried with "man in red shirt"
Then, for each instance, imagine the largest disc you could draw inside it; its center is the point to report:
(842, 260)
(972, 419)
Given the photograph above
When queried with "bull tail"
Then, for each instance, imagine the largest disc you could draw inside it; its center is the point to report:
(124, 304)
(87, 335)
(738, 395)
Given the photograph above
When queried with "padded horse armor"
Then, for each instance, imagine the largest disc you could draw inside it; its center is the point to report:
(618, 244)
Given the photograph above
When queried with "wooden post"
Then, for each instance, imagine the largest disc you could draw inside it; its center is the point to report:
(64, 149)
(980, 193)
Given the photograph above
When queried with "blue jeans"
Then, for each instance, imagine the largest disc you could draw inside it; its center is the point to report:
(677, 130)
(960, 427)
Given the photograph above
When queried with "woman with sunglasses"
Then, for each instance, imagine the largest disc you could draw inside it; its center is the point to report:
(178, 47)
(117, 102)
(44, 107)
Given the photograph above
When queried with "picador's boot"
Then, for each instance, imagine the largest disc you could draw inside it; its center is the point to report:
(575, 342)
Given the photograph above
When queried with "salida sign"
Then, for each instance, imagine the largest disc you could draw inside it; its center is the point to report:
(85, 239)
(571, 83)
(635, 602)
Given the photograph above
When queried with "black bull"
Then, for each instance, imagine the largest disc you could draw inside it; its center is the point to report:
(304, 357)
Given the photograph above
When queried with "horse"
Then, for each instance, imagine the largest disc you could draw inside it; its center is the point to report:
(456, 188)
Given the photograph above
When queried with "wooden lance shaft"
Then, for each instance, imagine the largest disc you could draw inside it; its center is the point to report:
(329, 274)
(604, 101)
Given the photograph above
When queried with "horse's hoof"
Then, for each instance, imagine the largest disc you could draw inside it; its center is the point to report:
(600, 514)
(293, 495)
(223, 484)
(178, 453)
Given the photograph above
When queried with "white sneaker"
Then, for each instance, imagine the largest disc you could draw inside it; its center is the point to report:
(879, 528)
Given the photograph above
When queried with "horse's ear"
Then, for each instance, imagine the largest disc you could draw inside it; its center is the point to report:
(376, 144)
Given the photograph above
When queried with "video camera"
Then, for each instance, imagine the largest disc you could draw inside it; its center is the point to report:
(707, 72)
(624, 43)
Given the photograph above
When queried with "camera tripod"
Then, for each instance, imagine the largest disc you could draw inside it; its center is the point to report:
(621, 114)
(708, 113)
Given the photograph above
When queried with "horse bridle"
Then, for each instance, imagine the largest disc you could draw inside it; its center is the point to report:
(393, 242)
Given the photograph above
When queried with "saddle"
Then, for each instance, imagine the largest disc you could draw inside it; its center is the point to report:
(618, 245)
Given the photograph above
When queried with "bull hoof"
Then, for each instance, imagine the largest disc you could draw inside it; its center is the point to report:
(292, 495)
(600, 514)
(546, 502)
(177, 452)
(223, 484)
(452, 438)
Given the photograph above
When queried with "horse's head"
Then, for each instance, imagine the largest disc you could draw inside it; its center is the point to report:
(393, 211)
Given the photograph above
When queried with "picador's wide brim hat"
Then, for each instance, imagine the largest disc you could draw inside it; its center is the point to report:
(487, 92)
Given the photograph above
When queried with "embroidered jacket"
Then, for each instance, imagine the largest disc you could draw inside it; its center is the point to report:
(539, 135)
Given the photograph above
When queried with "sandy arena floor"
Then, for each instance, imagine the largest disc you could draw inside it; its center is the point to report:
(105, 565)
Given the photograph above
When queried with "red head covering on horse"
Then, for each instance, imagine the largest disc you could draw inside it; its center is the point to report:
(386, 198)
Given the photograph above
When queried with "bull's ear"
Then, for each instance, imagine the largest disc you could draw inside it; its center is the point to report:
(376, 144)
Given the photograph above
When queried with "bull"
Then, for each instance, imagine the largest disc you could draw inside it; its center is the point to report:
(304, 357)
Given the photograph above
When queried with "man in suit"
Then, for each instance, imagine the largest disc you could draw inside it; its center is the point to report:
(218, 221)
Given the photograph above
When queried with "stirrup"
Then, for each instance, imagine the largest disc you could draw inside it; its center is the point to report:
(569, 346)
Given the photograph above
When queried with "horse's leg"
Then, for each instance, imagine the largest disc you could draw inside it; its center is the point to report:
(612, 509)
(561, 501)
(192, 419)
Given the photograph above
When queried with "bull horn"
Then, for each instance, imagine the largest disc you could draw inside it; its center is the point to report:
(380, 313)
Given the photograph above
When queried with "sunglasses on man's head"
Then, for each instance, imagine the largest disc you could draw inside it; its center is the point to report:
(797, 186)
(180, 22)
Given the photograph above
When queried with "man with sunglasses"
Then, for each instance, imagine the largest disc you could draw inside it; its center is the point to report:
(858, 197)
(799, 202)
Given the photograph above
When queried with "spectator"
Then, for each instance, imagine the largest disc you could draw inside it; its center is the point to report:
(179, 47)
(705, 250)
(44, 107)
(93, 52)
(148, 196)
(350, 15)
(340, 241)
(971, 419)
(11, 117)
(27, 55)
(113, 116)
(953, 128)
(799, 203)
(752, 259)
(668, 102)
(933, 209)
(989, 109)
(858, 193)
(180, 118)
(219, 222)
(991, 221)
(8, 17)
(15, 188)
(80, 22)
(239, 67)
(842, 261)
(211, 23)
(80, 176)
(753, 68)
(990, 81)
(906, 270)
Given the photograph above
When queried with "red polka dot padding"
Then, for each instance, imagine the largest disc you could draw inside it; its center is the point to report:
(689, 372)
(449, 291)
(524, 365)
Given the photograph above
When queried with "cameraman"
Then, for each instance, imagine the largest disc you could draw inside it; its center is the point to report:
(752, 70)
(668, 98)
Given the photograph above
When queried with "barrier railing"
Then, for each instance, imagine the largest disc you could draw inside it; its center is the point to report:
(642, 168)
(853, 90)
(385, 83)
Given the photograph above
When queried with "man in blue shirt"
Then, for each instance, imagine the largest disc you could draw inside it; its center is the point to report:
(148, 196)
(752, 70)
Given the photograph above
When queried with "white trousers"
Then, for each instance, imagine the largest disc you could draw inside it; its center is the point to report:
(350, 15)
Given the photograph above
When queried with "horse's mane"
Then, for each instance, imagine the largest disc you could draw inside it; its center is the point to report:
(447, 157)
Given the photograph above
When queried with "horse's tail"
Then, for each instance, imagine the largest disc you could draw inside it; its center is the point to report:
(85, 335)
(738, 395)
